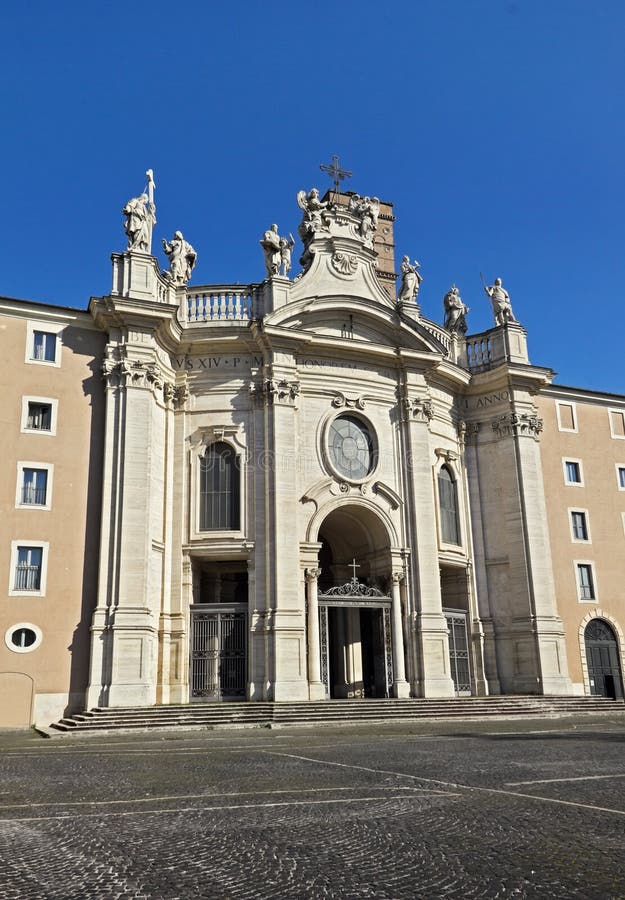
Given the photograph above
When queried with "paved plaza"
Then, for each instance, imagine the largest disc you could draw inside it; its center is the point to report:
(495, 809)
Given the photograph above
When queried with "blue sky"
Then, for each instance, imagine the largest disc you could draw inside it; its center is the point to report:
(496, 127)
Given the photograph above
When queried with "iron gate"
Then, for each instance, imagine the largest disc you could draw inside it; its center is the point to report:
(459, 650)
(218, 655)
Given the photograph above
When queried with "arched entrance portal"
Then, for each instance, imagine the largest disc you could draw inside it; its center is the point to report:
(360, 633)
(604, 671)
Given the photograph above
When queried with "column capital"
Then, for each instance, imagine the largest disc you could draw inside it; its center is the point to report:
(312, 574)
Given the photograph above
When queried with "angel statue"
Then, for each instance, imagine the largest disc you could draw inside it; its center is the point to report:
(315, 213)
(182, 259)
(455, 311)
(410, 280)
(368, 208)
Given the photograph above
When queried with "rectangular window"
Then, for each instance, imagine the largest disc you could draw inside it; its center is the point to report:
(39, 414)
(620, 477)
(28, 569)
(585, 581)
(567, 418)
(617, 424)
(572, 471)
(579, 526)
(44, 346)
(27, 572)
(34, 486)
(43, 343)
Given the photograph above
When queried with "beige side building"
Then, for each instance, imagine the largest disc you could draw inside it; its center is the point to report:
(583, 455)
(51, 442)
(299, 489)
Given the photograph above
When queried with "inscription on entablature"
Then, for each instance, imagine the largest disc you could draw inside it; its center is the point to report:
(335, 365)
(198, 363)
(487, 400)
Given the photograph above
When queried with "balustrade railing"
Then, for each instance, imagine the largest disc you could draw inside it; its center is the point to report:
(27, 578)
(33, 495)
(438, 332)
(479, 352)
(222, 303)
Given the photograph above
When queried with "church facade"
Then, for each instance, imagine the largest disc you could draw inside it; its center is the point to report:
(300, 489)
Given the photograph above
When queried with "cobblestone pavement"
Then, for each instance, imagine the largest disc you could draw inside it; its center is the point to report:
(491, 810)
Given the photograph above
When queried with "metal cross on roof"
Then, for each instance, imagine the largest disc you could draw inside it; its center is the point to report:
(354, 565)
(336, 174)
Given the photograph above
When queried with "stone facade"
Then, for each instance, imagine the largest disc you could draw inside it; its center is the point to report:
(297, 489)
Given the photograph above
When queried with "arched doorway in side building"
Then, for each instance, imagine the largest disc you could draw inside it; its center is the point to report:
(355, 624)
(602, 657)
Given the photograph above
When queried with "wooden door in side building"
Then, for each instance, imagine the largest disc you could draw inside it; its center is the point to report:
(602, 657)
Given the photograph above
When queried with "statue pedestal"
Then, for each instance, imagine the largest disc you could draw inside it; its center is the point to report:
(409, 310)
(137, 276)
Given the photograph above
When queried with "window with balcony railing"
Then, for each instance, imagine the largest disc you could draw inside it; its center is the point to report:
(34, 487)
(39, 416)
(28, 569)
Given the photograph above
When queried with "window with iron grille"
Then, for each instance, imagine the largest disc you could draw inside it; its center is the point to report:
(39, 416)
(34, 487)
(219, 489)
(28, 569)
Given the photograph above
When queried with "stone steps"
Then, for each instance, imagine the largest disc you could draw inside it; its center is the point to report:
(332, 712)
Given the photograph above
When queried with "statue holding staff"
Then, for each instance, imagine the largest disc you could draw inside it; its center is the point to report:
(500, 299)
(140, 215)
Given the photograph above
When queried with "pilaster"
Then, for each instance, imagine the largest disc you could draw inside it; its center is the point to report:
(434, 677)
(285, 621)
(534, 633)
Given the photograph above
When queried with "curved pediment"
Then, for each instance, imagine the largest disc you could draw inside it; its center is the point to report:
(355, 318)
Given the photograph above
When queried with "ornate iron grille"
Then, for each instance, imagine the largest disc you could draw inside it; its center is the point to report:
(388, 648)
(218, 655)
(324, 648)
(459, 652)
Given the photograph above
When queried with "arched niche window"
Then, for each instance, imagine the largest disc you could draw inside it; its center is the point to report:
(219, 489)
(448, 503)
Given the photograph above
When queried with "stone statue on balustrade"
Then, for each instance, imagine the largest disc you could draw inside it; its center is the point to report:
(455, 311)
(368, 209)
(140, 215)
(182, 259)
(270, 242)
(286, 246)
(500, 299)
(411, 280)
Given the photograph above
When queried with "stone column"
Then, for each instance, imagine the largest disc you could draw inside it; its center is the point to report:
(401, 688)
(315, 687)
